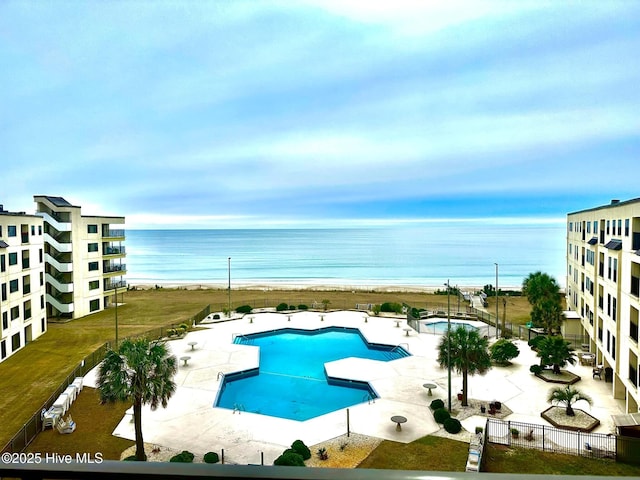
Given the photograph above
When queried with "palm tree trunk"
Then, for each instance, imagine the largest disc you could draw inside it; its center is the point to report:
(137, 423)
(465, 402)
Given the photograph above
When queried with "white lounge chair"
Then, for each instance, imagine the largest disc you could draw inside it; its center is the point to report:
(49, 418)
(66, 426)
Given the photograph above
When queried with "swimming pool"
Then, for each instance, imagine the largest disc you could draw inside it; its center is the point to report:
(441, 327)
(291, 381)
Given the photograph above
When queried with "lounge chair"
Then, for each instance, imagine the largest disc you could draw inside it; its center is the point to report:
(66, 426)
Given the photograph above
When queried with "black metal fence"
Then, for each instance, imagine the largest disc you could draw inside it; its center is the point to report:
(551, 439)
(33, 426)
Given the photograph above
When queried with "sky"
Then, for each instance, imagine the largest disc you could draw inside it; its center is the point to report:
(282, 113)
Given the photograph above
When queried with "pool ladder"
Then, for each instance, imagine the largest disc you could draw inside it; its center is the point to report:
(220, 375)
(369, 398)
(238, 407)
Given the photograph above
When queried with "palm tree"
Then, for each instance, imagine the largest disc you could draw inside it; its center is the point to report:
(543, 293)
(140, 371)
(557, 352)
(469, 355)
(568, 396)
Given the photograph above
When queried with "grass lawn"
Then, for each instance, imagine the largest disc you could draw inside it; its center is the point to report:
(511, 460)
(30, 376)
(94, 424)
(426, 453)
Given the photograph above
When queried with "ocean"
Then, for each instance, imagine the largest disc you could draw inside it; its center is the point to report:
(465, 253)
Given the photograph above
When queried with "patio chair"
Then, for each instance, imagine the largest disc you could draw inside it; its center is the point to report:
(597, 372)
(66, 426)
(49, 418)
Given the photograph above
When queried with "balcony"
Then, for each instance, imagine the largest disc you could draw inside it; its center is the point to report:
(115, 268)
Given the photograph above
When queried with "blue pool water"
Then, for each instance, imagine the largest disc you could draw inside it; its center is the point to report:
(441, 327)
(291, 381)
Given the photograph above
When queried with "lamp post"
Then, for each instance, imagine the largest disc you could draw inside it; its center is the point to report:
(229, 287)
(116, 306)
(496, 300)
(448, 346)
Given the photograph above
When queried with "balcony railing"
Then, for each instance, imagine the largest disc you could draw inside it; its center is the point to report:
(115, 268)
(113, 251)
(114, 285)
(113, 233)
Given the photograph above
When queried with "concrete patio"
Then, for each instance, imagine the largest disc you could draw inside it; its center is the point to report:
(190, 422)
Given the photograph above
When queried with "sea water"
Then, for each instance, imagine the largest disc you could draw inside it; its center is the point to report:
(465, 253)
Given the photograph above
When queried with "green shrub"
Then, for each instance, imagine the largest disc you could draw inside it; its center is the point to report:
(132, 458)
(503, 351)
(437, 404)
(244, 309)
(535, 341)
(535, 369)
(452, 425)
(183, 457)
(301, 449)
(184, 326)
(391, 307)
(282, 307)
(292, 307)
(302, 306)
(376, 309)
(289, 459)
(479, 430)
(211, 457)
(441, 414)
(171, 332)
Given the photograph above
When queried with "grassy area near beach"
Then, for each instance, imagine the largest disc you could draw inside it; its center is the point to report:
(31, 375)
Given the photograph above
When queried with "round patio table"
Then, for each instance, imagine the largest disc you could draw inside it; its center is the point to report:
(185, 359)
(192, 345)
(398, 420)
(429, 386)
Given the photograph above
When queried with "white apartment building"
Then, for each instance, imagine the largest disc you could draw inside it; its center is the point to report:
(83, 257)
(22, 290)
(603, 288)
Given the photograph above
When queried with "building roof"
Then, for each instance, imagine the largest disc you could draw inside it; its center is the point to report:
(57, 201)
(613, 204)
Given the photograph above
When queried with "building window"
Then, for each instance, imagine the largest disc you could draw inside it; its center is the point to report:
(39, 229)
(608, 223)
(13, 258)
(43, 325)
(26, 308)
(608, 341)
(609, 304)
(3, 265)
(25, 259)
(33, 230)
(615, 270)
(626, 227)
(41, 301)
(93, 266)
(614, 309)
(588, 227)
(92, 228)
(94, 284)
(613, 346)
(609, 268)
(41, 279)
(12, 231)
(4, 292)
(633, 331)
(619, 227)
(26, 284)
(13, 285)
(92, 247)
(3, 349)
(15, 342)
(15, 312)
(94, 305)
(595, 226)
(41, 255)
(5, 320)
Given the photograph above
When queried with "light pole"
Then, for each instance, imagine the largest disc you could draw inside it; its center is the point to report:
(229, 288)
(116, 305)
(448, 345)
(496, 300)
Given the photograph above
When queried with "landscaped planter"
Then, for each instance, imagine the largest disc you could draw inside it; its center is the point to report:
(565, 377)
(581, 422)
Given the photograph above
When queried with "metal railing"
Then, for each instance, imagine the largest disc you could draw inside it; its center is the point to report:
(551, 439)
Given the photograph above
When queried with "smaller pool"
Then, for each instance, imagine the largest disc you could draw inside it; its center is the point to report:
(441, 327)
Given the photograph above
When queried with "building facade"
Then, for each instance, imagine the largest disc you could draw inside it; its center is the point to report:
(22, 288)
(603, 288)
(84, 258)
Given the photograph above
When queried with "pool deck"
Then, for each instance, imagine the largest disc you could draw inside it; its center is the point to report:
(191, 423)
